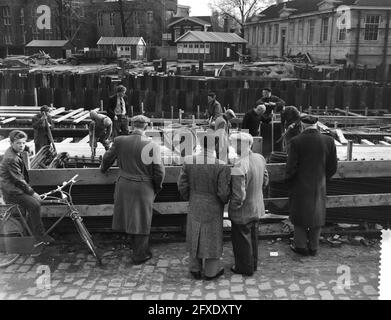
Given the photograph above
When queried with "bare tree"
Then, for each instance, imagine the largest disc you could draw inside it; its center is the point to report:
(239, 10)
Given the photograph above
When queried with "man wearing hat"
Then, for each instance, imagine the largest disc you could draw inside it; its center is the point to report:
(222, 127)
(312, 160)
(253, 118)
(100, 129)
(214, 107)
(118, 112)
(42, 124)
(248, 177)
(140, 179)
(270, 101)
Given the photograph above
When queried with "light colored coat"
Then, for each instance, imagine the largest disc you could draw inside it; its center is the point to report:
(249, 177)
(137, 184)
(207, 188)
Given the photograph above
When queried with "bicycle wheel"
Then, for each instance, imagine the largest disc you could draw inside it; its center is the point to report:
(9, 228)
(85, 235)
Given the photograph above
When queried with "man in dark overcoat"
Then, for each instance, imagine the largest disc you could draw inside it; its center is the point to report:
(249, 178)
(205, 182)
(140, 179)
(42, 123)
(253, 118)
(118, 112)
(312, 160)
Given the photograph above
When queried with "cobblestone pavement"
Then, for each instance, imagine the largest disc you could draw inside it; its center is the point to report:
(281, 275)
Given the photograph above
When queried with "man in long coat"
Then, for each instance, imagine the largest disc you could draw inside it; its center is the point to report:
(249, 178)
(312, 159)
(205, 182)
(140, 179)
(222, 127)
(42, 123)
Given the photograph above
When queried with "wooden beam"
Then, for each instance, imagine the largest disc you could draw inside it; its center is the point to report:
(367, 142)
(57, 111)
(388, 139)
(272, 204)
(86, 115)
(337, 143)
(67, 140)
(78, 114)
(341, 137)
(68, 115)
(384, 143)
(8, 120)
(28, 108)
(86, 139)
(348, 112)
(17, 115)
(88, 176)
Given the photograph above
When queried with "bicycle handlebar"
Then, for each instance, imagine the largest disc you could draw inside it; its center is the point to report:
(59, 188)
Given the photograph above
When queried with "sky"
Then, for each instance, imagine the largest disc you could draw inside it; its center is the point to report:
(198, 7)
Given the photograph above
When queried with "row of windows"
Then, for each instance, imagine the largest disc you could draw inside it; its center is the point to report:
(270, 34)
(195, 45)
(139, 17)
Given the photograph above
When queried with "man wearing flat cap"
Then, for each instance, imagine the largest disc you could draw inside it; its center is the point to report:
(118, 112)
(42, 124)
(271, 102)
(140, 178)
(312, 160)
(100, 129)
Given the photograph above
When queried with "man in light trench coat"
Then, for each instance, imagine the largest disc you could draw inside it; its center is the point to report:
(312, 159)
(140, 179)
(249, 178)
(205, 182)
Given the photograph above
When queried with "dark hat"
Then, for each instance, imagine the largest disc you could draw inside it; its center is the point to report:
(211, 94)
(308, 119)
(267, 89)
(45, 108)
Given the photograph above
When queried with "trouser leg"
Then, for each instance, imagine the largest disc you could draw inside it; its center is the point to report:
(116, 128)
(212, 267)
(33, 208)
(254, 243)
(140, 247)
(300, 237)
(242, 248)
(195, 265)
(124, 125)
(314, 235)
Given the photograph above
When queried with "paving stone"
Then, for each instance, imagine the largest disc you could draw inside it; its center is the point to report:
(167, 295)
(63, 266)
(182, 296)
(24, 268)
(223, 283)
(239, 297)
(210, 296)
(344, 298)
(237, 278)
(79, 283)
(338, 290)
(309, 291)
(210, 286)
(265, 286)
(124, 298)
(162, 263)
(55, 297)
(250, 282)
(237, 288)
(280, 293)
(152, 297)
(12, 268)
(370, 290)
(95, 297)
(326, 295)
(60, 289)
(304, 281)
(2, 295)
(71, 293)
(14, 296)
(294, 287)
(83, 295)
(196, 293)
(321, 285)
(156, 288)
(137, 296)
(279, 282)
(224, 294)
(252, 292)
(43, 294)
(362, 279)
(115, 283)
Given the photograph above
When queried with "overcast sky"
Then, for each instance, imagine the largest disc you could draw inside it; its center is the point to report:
(198, 7)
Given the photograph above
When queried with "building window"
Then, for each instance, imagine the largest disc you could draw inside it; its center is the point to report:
(301, 31)
(22, 16)
(177, 33)
(371, 27)
(263, 34)
(276, 31)
(311, 30)
(269, 34)
(100, 19)
(112, 16)
(6, 16)
(7, 39)
(292, 27)
(149, 17)
(325, 29)
(341, 34)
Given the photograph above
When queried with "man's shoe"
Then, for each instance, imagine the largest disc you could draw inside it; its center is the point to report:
(233, 269)
(45, 239)
(312, 252)
(196, 275)
(137, 262)
(218, 274)
(301, 251)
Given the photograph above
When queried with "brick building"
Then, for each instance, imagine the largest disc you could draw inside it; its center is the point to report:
(350, 31)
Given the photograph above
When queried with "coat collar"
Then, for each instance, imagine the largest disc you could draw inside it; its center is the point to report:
(138, 132)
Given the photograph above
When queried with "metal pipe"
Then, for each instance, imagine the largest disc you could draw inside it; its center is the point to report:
(349, 154)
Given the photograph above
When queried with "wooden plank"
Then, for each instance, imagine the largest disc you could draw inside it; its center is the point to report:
(24, 108)
(388, 139)
(67, 140)
(86, 139)
(8, 120)
(57, 111)
(78, 114)
(17, 115)
(349, 112)
(273, 204)
(84, 116)
(384, 143)
(337, 143)
(88, 176)
(68, 115)
(367, 142)
(341, 137)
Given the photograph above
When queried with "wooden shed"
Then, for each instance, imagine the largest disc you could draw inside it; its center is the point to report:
(57, 49)
(133, 48)
(210, 46)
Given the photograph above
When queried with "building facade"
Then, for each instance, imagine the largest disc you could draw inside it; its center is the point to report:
(355, 32)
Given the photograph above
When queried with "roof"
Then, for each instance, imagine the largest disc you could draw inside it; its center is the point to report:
(47, 43)
(201, 36)
(202, 20)
(125, 41)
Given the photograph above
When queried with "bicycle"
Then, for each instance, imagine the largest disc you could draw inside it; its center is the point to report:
(15, 234)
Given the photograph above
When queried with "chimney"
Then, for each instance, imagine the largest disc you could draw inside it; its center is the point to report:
(227, 24)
